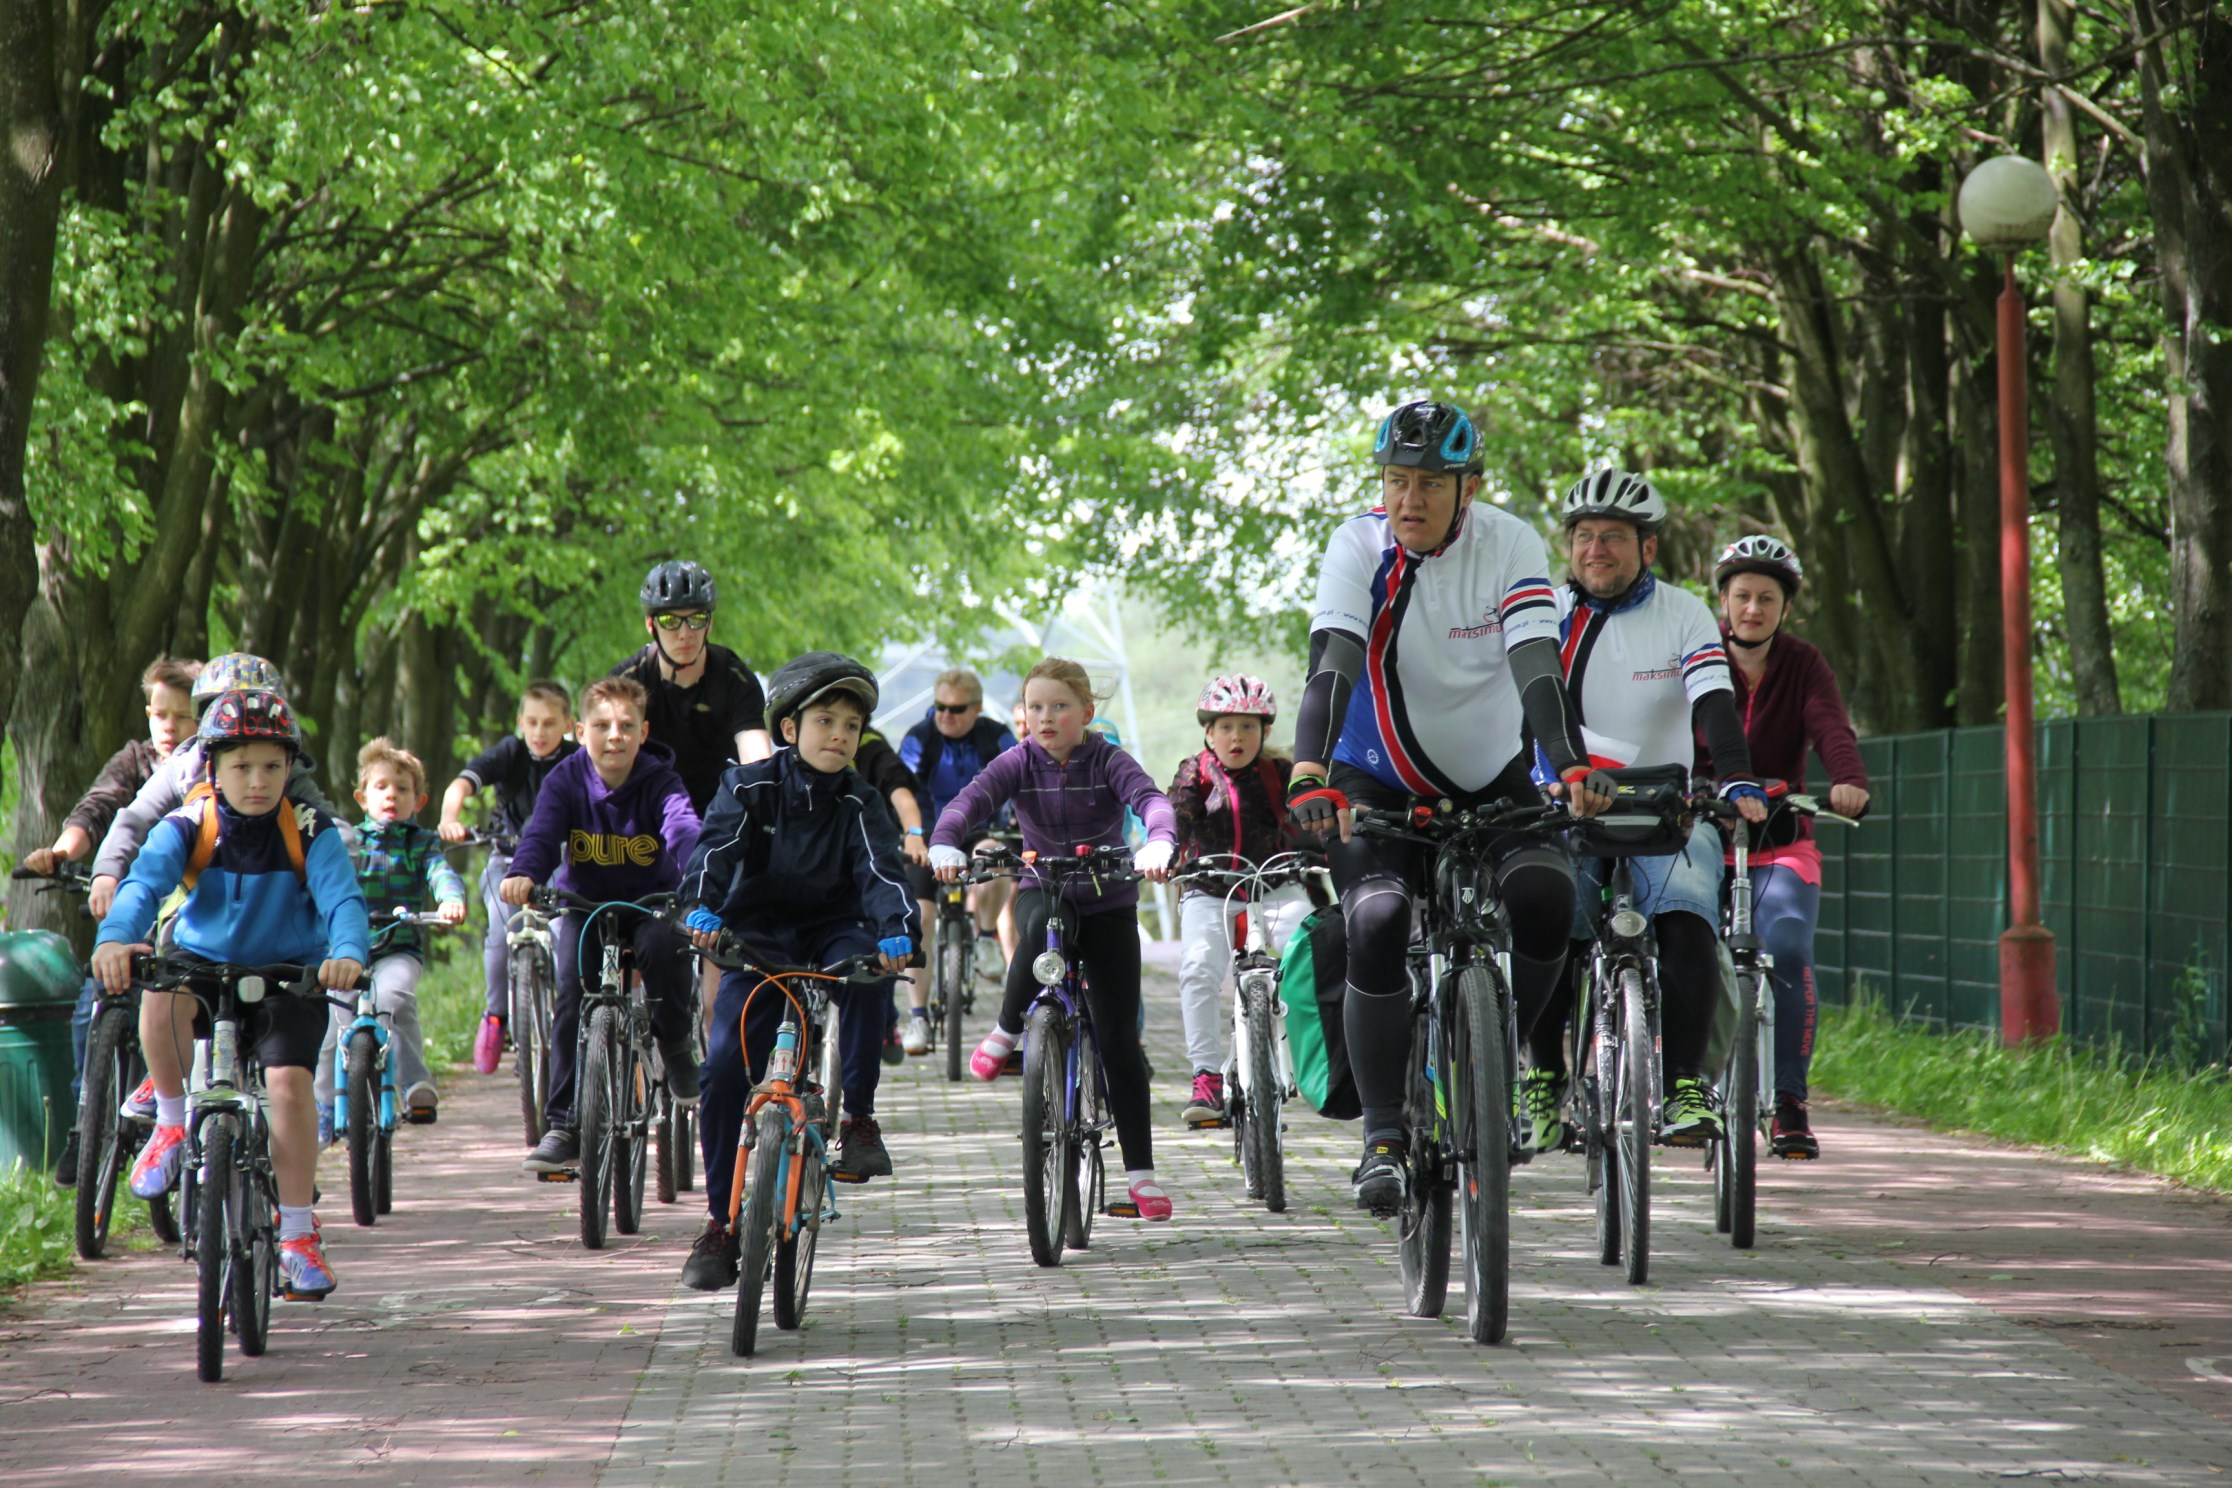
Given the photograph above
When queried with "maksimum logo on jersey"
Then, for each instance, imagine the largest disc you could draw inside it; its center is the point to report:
(1491, 623)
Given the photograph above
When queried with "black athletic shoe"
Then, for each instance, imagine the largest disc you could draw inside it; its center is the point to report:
(860, 1150)
(65, 1166)
(1380, 1178)
(558, 1152)
(1794, 1138)
(681, 1070)
(712, 1263)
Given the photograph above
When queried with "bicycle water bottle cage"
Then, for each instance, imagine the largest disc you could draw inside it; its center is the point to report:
(1650, 816)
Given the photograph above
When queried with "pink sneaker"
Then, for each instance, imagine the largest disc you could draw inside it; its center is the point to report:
(156, 1172)
(140, 1104)
(488, 1045)
(991, 1056)
(1149, 1199)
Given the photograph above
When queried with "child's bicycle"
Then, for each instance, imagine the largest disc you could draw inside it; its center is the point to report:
(779, 1197)
(1066, 1117)
(109, 1137)
(1259, 1075)
(228, 1196)
(531, 980)
(364, 1101)
(618, 1077)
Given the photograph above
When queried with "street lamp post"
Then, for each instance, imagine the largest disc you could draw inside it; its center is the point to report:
(2007, 204)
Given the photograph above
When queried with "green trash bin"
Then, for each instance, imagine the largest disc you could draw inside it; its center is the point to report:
(39, 980)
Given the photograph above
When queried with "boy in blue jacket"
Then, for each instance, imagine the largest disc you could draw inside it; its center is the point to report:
(800, 858)
(270, 881)
(613, 823)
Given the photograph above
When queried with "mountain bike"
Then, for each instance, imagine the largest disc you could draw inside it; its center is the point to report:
(780, 1195)
(364, 1100)
(1259, 1073)
(1748, 1077)
(1460, 1109)
(1614, 1034)
(108, 1137)
(616, 1071)
(953, 973)
(531, 980)
(229, 1195)
(1066, 1117)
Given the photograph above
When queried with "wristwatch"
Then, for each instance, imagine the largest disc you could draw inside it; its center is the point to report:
(914, 831)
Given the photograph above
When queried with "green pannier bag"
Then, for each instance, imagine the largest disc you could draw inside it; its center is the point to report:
(1313, 981)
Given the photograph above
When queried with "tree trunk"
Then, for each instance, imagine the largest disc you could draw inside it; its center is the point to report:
(56, 756)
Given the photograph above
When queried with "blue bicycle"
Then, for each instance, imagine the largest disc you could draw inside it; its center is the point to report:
(1066, 1117)
(364, 1101)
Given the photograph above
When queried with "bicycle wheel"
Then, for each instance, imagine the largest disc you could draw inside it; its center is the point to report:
(1265, 1153)
(631, 1140)
(256, 1246)
(213, 1246)
(794, 1251)
(362, 1066)
(1046, 1191)
(102, 1140)
(1482, 1110)
(530, 1030)
(830, 1069)
(1083, 1168)
(1740, 1124)
(385, 1197)
(595, 1086)
(1595, 1052)
(1425, 1219)
(762, 1205)
(1637, 1050)
(953, 988)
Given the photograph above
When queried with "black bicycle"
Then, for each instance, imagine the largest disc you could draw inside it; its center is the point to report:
(229, 1194)
(1460, 1106)
(618, 1076)
(953, 974)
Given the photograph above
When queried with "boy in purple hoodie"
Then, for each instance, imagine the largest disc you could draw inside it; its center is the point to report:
(613, 822)
(1070, 789)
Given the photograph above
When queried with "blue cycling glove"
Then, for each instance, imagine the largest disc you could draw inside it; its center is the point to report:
(1743, 790)
(703, 920)
(897, 947)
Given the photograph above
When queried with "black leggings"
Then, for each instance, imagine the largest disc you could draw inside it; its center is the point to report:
(1108, 945)
(1689, 985)
(1376, 879)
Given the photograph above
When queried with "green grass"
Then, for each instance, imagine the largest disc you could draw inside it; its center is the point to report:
(2098, 1104)
(452, 995)
(37, 1238)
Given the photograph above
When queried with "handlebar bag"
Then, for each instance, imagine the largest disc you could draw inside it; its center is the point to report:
(1649, 816)
(1313, 980)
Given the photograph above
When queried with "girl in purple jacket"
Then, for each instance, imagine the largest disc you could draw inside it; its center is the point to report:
(1070, 790)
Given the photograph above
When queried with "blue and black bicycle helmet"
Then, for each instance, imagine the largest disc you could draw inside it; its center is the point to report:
(1429, 436)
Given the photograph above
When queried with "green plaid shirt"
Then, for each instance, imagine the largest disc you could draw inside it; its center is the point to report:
(397, 862)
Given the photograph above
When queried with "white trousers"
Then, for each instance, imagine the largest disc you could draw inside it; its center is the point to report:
(394, 992)
(1206, 968)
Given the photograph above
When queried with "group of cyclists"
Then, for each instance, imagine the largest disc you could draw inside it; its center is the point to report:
(698, 811)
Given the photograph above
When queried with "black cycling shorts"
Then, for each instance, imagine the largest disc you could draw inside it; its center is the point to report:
(285, 1029)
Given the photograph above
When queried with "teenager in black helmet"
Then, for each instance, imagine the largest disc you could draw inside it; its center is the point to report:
(706, 705)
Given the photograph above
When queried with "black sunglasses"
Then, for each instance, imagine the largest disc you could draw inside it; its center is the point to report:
(955, 707)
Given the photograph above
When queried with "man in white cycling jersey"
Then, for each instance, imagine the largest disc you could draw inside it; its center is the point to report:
(1433, 645)
(1644, 667)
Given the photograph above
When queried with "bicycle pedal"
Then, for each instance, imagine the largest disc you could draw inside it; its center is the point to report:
(1121, 1209)
(565, 1177)
(1224, 1124)
(837, 1177)
(423, 1116)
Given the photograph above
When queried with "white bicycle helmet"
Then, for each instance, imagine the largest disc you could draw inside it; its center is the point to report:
(1615, 493)
(1237, 694)
(1760, 554)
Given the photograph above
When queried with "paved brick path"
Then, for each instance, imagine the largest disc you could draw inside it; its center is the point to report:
(1919, 1310)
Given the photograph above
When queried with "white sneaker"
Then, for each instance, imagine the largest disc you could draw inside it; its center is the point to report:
(916, 1038)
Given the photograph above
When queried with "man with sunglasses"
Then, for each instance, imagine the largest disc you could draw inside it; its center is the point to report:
(706, 705)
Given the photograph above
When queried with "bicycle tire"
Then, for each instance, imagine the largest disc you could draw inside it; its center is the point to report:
(685, 1150)
(1265, 1099)
(595, 1085)
(1044, 1135)
(953, 990)
(255, 1272)
(530, 1042)
(663, 1146)
(1596, 1053)
(794, 1253)
(1482, 1109)
(1740, 1124)
(1424, 1223)
(631, 1142)
(1637, 1050)
(1084, 1173)
(361, 1063)
(101, 1136)
(213, 1248)
(385, 1197)
(756, 1246)
(829, 1059)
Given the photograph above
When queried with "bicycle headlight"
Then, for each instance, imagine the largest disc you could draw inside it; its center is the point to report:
(250, 989)
(1629, 925)
(1048, 968)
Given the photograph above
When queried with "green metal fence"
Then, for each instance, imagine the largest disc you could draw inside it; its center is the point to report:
(2135, 828)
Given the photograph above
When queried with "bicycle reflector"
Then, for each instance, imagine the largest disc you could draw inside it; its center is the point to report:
(1047, 967)
(250, 989)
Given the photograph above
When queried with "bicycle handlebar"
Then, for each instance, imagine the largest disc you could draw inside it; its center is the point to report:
(1435, 824)
(1109, 863)
(548, 897)
(506, 843)
(69, 877)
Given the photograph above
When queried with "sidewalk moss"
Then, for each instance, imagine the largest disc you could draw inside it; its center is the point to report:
(2103, 1105)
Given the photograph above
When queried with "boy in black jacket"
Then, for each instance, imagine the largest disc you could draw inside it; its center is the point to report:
(800, 859)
